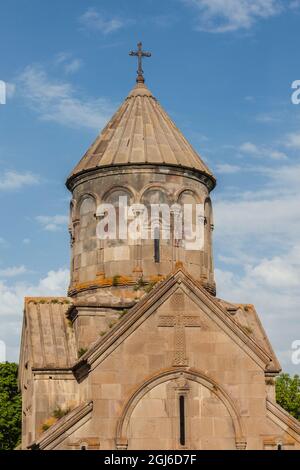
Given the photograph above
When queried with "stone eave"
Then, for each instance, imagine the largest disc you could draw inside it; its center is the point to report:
(282, 418)
(110, 341)
(206, 178)
(277, 367)
(52, 371)
(64, 300)
(21, 368)
(72, 313)
(61, 426)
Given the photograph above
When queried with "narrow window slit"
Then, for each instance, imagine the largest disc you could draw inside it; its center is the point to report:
(182, 419)
(156, 246)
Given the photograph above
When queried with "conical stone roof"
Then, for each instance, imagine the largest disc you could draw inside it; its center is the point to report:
(140, 132)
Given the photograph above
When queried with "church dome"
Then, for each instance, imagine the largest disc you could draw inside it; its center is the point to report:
(140, 133)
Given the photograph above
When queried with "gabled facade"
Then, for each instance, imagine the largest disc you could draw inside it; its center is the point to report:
(141, 354)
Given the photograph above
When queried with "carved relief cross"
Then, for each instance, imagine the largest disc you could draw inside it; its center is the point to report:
(179, 322)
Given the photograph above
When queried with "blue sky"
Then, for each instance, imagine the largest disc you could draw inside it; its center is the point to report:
(222, 69)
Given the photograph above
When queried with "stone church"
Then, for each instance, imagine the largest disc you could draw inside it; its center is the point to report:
(141, 353)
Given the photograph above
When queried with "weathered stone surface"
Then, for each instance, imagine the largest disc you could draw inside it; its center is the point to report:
(118, 360)
(135, 386)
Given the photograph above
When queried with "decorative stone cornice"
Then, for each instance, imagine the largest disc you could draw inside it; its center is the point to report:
(129, 168)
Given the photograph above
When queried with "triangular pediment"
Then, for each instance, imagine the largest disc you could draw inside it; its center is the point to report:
(179, 300)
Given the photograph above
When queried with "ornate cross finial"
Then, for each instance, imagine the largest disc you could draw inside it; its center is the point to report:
(140, 54)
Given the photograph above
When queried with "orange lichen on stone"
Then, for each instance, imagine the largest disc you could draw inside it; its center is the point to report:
(116, 282)
(246, 307)
(48, 423)
(178, 265)
(157, 278)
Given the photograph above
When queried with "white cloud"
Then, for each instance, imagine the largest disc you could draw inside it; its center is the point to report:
(293, 140)
(95, 21)
(221, 16)
(266, 118)
(10, 89)
(165, 21)
(262, 151)
(26, 241)
(277, 272)
(294, 4)
(12, 180)
(272, 285)
(276, 154)
(73, 66)
(257, 235)
(265, 219)
(61, 58)
(227, 168)
(13, 271)
(70, 64)
(248, 147)
(55, 283)
(262, 214)
(52, 223)
(57, 101)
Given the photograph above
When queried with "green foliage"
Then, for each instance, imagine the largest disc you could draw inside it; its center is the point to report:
(115, 280)
(56, 414)
(122, 313)
(60, 412)
(270, 381)
(150, 286)
(10, 407)
(81, 351)
(45, 427)
(288, 393)
(248, 329)
(140, 284)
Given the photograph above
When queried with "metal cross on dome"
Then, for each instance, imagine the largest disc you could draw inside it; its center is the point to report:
(140, 54)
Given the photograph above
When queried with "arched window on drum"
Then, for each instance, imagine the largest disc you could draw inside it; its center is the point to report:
(119, 199)
(189, 213)
(158, 211)
(86, 255)
(209, 226)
